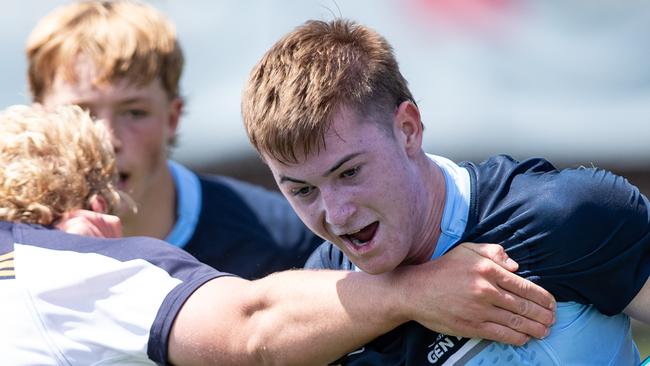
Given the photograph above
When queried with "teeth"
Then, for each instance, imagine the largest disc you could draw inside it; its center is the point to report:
(353, 232)
(358, 242)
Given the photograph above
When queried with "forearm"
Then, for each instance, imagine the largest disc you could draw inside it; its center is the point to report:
(314, 317)
(325, 315)
(288, 318)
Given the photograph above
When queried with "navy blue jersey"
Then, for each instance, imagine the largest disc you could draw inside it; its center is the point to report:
(583, 234)
(237, 227)
(75, 300)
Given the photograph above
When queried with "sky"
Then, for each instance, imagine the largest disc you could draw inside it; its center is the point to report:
(567, 80)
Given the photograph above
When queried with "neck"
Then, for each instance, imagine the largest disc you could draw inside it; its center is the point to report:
(432, 202)
(156, 214)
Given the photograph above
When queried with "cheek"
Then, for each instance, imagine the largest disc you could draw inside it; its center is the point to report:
(145, 139)
(310, 217)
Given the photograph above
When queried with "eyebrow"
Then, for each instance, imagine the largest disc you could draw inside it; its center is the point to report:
(127, 101)
(329, 171)
(133, 100)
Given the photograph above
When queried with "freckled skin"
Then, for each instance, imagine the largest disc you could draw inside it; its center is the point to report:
(142, 121)
(382, 178)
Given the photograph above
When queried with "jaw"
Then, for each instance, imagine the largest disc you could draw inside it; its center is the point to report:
(373, 255)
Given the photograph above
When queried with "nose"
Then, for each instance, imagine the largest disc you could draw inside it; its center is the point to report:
(338, 207)
(113, 131)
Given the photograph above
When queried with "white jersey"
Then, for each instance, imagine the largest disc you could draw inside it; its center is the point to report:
(73, 300)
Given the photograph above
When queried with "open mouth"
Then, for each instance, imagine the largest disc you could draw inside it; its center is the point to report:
(123, 179)
(362, 237)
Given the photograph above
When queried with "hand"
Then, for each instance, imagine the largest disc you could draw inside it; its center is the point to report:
(471, 292)
(90, 223)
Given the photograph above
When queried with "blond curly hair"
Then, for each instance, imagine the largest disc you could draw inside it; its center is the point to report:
(52, 162)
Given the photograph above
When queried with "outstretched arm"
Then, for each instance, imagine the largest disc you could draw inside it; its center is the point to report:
(477, 294)
(467, 292)
(287, 318)
(314, 317)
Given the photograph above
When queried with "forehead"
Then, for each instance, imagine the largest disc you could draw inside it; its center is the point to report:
(84, 91)
(83, 88)
(349, 135)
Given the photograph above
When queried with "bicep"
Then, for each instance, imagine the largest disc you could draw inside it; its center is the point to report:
(206, 329)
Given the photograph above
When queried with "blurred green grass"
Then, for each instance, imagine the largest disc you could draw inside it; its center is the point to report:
(641, 333)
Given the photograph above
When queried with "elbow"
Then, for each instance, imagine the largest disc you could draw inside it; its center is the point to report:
(259, 353)
(261, 332)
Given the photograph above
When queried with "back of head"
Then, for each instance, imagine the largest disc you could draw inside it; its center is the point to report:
(123, 38)
(52, 163)
(310, 74)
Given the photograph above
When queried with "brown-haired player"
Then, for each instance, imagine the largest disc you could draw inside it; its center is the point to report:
(332, 116)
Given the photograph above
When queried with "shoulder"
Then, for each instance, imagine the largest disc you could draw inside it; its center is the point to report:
(144, 250)
(502, 164)
(83, 273)
(589, 197)
(556, 194)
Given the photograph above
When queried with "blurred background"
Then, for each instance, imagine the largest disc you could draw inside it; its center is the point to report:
(568, 80)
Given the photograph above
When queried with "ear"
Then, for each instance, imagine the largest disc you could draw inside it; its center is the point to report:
(175, 112)
(408, 127)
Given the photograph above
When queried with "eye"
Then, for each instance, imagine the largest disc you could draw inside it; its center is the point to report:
(302, 191)
(349, 173)
(136, 113)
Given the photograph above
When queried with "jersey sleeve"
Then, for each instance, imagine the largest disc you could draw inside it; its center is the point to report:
(111, 298)
(583, 234)
(602, 239)
(190, 274)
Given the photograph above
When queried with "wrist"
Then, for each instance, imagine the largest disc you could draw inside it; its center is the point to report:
(400, 302)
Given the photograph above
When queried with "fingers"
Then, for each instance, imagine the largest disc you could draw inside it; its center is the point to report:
(496, 305)
(503, 334)
(98, 204)
(497, 330)
(475, 295)
(89, 223)
(518, 305)
(76, 225)
(525, 289)
(518, 323)
(110, 226)
(494, 252)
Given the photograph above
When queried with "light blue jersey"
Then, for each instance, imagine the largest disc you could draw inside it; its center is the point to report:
(524, 207)
(581, 334)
